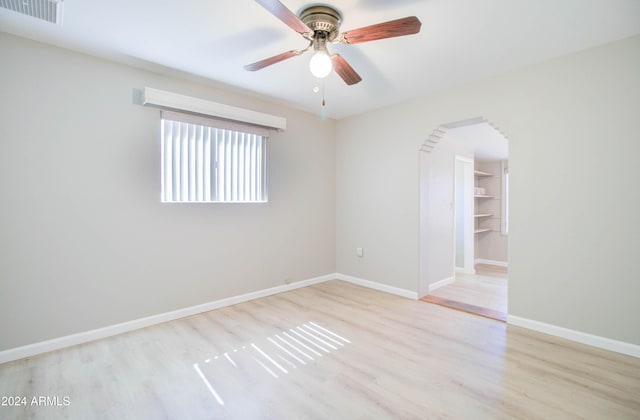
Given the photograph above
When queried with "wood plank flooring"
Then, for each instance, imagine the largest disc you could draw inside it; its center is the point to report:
(333, 350)
(484, 293)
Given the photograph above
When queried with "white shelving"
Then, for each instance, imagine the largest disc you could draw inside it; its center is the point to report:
(479, 217)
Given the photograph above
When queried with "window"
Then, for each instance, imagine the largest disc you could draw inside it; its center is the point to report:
(209, 161)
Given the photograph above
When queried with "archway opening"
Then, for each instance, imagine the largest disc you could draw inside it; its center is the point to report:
(464, 217)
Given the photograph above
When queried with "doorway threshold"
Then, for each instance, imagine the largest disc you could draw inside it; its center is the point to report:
(466, 307)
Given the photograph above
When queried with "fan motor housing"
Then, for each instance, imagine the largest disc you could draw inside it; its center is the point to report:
(322, 19)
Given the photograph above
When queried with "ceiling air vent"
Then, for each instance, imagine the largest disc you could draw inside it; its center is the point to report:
(49, 10)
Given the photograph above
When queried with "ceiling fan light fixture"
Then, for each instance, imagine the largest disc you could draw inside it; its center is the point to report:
(320, 64)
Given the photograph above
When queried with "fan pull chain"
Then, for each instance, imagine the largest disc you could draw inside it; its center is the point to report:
(323, 109)
(323, 101)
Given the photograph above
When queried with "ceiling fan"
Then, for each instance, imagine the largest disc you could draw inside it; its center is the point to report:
(320, 25)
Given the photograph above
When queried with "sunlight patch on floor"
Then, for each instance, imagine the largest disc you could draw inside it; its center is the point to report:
(291, 347)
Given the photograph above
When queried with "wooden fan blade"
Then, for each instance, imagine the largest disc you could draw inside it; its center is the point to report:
(400, 27)
(280, 11)
(272, 60)
(344, 70)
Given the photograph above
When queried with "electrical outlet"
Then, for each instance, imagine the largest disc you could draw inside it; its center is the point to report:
(359, 252)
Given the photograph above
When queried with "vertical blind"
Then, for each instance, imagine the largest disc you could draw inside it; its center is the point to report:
(205, 164)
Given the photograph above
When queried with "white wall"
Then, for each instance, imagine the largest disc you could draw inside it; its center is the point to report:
(84, 239)
(573, 131)
(371, 177)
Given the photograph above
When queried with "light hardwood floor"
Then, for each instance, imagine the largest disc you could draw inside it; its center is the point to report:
(485, 289)
(329, 351)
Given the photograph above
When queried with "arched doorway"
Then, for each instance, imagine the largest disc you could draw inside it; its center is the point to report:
(463, 173)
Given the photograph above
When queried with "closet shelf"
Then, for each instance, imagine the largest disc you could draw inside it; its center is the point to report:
(480, 195)
(480, 230)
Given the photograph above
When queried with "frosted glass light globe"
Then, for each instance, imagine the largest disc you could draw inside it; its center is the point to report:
(320, 64)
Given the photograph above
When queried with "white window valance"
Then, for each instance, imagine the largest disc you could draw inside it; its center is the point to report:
(205, 108)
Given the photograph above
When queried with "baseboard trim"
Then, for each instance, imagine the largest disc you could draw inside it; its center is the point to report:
(491, 262)
(86, 336)
(440, 283)
(378, 286)
(577, 336)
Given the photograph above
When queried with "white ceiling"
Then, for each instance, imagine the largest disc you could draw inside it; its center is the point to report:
(461, 40)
